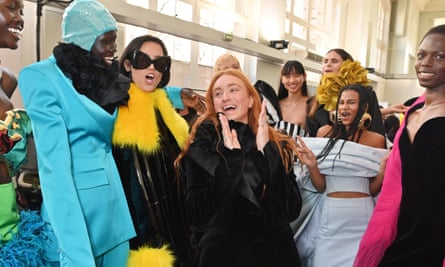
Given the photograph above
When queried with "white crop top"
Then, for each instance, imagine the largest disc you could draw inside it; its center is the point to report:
(346, 184)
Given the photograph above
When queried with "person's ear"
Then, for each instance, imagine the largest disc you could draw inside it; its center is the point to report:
(127, 65)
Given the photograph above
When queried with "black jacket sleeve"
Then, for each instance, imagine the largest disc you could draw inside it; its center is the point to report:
(282, 200)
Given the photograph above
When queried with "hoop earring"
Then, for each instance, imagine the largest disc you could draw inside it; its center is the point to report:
(334, 118)
(365, 121)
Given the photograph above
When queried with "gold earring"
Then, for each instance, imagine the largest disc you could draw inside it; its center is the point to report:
(334, 118)
(365, 121)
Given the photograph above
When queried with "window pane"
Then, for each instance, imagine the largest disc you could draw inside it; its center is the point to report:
(287, 26)
(317, 13)
(316, 37)
(301, 9)
(178, 48)
(184, 11)
(223, 22)
(205, 54)
(206, 18)
(167, 7)
(132, 32)
(139, 3)
(299, 31)
(241, 7)
(208, 54)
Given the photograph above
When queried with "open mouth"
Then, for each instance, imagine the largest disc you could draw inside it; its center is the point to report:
(422, 74)
(109, 60)
(229, 107)
(150, 76)
(345, 115)
(17, 32)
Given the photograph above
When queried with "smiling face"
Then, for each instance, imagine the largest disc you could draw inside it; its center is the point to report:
(331, 63)
(11, 23)
(348, 107)
(231, 97)
(148, 78)
(293, 82)
(105, 47)
(430, 63)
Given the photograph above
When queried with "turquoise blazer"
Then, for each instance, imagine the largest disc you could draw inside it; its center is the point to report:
(83, 199)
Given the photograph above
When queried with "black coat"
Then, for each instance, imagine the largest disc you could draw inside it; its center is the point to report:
(240, 202)
(155, 196)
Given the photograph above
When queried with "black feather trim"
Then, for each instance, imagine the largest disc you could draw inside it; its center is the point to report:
(102, 84)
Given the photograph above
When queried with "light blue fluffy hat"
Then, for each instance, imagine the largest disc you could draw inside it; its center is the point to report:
(84, 21)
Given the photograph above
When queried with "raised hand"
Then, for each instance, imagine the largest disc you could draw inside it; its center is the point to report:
(262, 136)
(230, 137)
(305, 155)
(193, 100)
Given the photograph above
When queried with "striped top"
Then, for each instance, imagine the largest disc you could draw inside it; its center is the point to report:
(291, 129)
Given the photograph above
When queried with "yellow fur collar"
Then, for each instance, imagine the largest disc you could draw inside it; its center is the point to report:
(135, 124)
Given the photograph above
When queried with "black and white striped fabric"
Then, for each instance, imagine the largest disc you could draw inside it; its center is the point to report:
(291, 129)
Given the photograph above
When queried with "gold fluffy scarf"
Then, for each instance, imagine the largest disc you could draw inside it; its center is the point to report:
(351, 72)
(151, 257)
(136, 123)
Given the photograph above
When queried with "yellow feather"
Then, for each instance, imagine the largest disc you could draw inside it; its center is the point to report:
(350, 72)
(136, 123)
(151, 257)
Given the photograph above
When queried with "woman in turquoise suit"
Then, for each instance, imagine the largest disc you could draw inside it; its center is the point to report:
(71, 98)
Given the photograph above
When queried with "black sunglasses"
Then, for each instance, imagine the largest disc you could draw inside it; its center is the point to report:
(141, 61)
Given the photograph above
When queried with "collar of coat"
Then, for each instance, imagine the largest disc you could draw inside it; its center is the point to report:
(136, 124)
